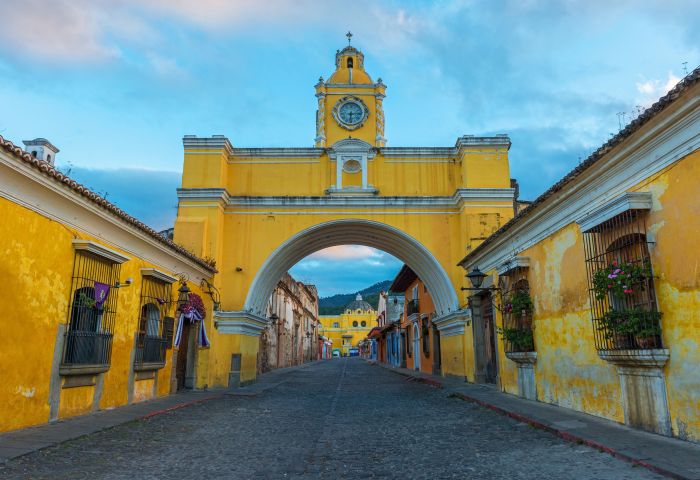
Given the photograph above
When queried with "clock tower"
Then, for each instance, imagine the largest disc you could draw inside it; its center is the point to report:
(349, 102)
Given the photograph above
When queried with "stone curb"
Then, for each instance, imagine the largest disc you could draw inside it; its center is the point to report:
(569, 437)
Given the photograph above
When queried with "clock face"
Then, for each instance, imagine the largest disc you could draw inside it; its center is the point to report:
(351, 113)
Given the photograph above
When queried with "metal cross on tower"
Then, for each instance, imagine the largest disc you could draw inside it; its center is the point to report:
(349, 35)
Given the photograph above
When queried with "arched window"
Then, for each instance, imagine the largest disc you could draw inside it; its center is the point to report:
(621, 284)
(350, 62)
(48, 158)
(84, 316)
(34, 153)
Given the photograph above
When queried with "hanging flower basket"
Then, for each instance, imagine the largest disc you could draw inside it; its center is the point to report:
(194, 309)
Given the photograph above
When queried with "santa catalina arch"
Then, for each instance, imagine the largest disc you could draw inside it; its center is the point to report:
(257, 211)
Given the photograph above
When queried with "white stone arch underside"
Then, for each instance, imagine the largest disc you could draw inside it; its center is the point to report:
(356, 232)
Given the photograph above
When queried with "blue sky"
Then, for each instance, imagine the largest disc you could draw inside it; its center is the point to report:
(115, 84)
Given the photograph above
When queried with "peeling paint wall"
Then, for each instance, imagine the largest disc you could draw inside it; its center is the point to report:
(569, 372)
(35, 303)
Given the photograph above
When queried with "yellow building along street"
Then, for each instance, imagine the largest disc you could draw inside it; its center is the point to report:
(348, 329)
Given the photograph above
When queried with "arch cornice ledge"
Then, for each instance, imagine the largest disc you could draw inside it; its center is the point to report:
(358, 232)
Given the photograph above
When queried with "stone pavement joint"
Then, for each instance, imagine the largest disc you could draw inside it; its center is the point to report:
(605, 441)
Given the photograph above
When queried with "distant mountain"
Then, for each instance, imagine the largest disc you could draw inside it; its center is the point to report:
(335, 304)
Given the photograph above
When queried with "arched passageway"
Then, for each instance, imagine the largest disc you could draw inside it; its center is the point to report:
(358, 232)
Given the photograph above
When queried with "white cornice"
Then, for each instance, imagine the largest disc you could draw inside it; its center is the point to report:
(99, 250)
(629, 164)
(193, 142)
(239, 323)
(513, 263)
(472, 141)
(461, 198)
(158, 275)
(623, 203)
(453, 323)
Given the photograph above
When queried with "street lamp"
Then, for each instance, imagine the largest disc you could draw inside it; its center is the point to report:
(183, 295)
(476, 277)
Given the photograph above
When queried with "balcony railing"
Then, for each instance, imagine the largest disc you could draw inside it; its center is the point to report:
(84, 347)
(150, 350)
(412, 307)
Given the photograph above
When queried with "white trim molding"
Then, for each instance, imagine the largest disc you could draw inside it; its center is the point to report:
(158, 275)
(238, 322)
(462, 197)
(512, 264)
(453, 323)
(99, 250)
(627, 201)
(661, 144)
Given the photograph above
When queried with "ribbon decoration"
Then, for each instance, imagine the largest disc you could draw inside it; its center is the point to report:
(193, 317)
(101, 291)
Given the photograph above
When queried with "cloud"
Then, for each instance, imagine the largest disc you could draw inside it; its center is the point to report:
(346, 252)
(149, 195)
(56, 30)
(346, 268)
(652, 89)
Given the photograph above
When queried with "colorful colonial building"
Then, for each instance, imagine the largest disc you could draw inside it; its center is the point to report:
(348, 329)
(595, 287)
(292, 335)
(258, 211)
(99, 309)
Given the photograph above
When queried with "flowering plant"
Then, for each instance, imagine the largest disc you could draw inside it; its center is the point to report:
(520, 303)
(620, 279)
(194, 307)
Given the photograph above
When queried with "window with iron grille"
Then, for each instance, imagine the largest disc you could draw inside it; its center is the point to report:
(621, 284)
(92, 310)
(516, 311)
(151, 341)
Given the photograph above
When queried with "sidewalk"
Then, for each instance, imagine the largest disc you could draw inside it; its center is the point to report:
(667, 456)
(21, 442)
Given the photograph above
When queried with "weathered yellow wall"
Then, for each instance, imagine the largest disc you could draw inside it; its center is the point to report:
(37, 282)
(38, 274)
(568, 370)
(674, 223)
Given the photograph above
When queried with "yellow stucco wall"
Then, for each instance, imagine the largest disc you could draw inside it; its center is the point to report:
(569, 371)
(39, 281)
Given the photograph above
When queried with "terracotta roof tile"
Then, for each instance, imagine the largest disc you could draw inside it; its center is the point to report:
(51, 172)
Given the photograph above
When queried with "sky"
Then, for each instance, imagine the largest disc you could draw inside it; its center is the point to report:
(115, 84)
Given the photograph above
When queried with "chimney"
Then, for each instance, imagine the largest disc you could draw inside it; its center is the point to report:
(41, 149)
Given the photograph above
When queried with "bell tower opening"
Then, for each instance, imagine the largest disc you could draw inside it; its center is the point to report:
(350, 102)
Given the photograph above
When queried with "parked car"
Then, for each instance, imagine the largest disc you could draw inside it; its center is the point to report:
(354, 352)
(336, 352)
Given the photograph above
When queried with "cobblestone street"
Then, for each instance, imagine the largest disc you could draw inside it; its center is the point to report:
(342, 418)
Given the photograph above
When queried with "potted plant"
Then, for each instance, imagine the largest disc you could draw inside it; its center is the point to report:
(621, 326)
(520, 339)
(520, 303)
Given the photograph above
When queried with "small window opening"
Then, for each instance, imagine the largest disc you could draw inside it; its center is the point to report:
(350, 62)
(48, 158)
(34, 153)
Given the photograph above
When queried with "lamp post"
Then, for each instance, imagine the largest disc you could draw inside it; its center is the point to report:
(183, 295)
